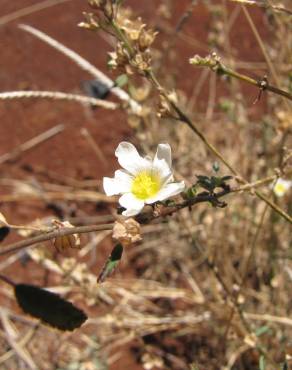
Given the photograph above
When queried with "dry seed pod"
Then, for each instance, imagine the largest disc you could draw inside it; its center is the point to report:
(64, 242)
(127, 232)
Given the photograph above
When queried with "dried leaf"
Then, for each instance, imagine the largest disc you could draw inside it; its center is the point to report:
(64, 242)
(127, 232)
(49, 307)
(3, 221)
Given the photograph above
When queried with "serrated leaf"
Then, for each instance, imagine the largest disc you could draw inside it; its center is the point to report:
(48, 307)
(111, 263)
(121, 80)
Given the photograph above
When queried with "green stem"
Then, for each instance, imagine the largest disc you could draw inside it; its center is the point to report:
(121, 36)
(215, 65)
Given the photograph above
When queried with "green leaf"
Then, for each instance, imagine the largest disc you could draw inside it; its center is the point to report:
(262, 363)
(262, 330)
(111, 263)
(226, 178)
(216, 167)
(121, 80)
(49, 307)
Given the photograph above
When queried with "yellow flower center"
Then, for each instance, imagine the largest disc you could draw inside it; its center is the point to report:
(145, 185)
(280, 189)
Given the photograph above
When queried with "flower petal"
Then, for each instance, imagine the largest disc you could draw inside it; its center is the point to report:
(120, 184)
(110, 186)
(163, 152)
(167, 191)
(281, 187)
(125, 181)
(131, 203)
(163, 170)
(129, 158)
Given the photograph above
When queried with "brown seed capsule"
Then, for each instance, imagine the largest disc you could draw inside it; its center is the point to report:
(127, 232)
(64, 242)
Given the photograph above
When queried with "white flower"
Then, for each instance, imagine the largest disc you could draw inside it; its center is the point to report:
(142, 180)
(281, 187)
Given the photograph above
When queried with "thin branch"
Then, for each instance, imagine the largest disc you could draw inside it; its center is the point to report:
(166, 210)
(29, 10)
(286, 321)
(95, 147)
(52, 235)
(57, 95)
(37, 194)
(186, 15)
(215, 64)
(263, 49)
(184, 118)
(31, 143)
(84, 64)
(264, 5)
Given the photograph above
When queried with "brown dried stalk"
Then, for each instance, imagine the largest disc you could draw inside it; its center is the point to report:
(52, 235)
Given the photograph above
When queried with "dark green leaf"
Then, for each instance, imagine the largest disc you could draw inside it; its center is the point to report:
(49, 307)
(96, 89)
(226, 178)
(202, 177)
(216, 167)
(4, 231)
(111, 263)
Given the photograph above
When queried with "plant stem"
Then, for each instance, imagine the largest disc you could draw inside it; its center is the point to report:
(53, 234)
(184, 118)
(216, 65)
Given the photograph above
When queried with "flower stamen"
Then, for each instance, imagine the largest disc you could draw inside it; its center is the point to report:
(145, 185)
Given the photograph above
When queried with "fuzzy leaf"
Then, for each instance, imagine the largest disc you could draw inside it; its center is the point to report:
(111, 263)
(49, 307)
